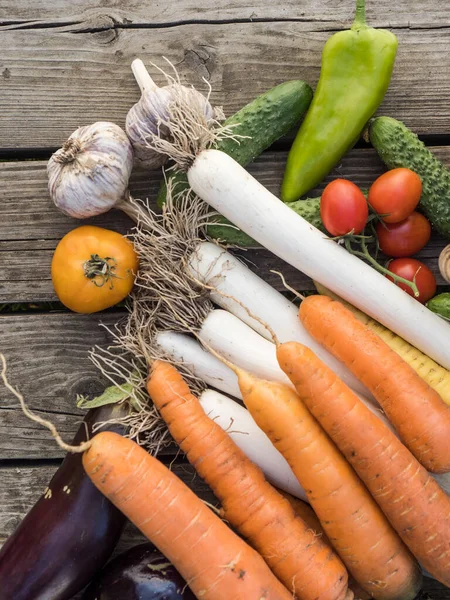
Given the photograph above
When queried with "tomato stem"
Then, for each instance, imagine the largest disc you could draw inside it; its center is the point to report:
(102, 268)
(366, 255)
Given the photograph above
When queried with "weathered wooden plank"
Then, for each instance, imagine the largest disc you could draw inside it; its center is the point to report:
(21, 487)
(30, 226)
(47, 358)
(54, 81)
(331, 14)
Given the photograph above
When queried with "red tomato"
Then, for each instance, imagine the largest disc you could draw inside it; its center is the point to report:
(404, 238)
(343, 208)
(395, 194)
(408, 268)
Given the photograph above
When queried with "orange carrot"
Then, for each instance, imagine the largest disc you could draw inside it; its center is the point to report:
(303, 510)
(215, 562)
(355, 525)
(302, 561)
(408, 495)
(417, 412)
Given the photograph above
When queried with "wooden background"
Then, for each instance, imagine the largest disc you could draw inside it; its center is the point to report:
(65, 64)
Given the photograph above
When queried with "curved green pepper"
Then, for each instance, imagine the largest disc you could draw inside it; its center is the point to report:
(356, 70)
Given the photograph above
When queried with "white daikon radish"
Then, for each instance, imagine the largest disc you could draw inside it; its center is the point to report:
(242, 346)
(239, 424)
(243, 293)
(238, 343)
(203, 365)
(233, 192)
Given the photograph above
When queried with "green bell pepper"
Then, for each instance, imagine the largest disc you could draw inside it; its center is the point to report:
(356, 70)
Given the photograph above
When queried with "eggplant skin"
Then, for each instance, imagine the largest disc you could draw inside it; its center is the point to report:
(67, 536)
(141, 573)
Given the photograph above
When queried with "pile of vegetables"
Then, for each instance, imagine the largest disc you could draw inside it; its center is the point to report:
(324, 431)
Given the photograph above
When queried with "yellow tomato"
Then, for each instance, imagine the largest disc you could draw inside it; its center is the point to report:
(93, 269)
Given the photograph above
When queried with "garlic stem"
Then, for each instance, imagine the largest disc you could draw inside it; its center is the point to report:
(131, 209)
(142, 76)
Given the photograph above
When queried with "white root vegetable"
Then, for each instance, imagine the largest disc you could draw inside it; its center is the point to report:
(238, 287)
(236, 342)
(239, 344)
(233, 192)
(183, 349)
(238, 423)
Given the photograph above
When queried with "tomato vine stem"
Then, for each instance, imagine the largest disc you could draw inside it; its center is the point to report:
(364, 254)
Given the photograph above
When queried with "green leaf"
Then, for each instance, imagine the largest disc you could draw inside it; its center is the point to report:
(112, 395)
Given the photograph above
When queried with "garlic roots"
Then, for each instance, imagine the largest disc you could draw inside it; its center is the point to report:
(150, 116)
(89, 174)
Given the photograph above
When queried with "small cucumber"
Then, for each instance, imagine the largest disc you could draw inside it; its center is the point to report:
(441, 305)
(262, 122)
(223, 231)
(398, 146)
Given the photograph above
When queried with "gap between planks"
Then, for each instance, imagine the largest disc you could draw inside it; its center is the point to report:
(335, 14)
(77, 26)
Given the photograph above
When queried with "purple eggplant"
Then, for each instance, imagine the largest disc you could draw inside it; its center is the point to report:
(142, 573)
(67, 536)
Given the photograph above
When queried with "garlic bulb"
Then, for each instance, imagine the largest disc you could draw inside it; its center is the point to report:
(90, 173)
(444, 263)
(149, 115)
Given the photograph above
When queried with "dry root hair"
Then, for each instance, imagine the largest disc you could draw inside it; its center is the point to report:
(165, 298)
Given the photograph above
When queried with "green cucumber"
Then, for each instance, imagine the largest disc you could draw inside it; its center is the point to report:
(398, 146)
(441, 305)
(222, 231)
(262, 122)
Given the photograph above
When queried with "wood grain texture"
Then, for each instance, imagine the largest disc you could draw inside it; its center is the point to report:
(52, 81)
(22, 486)
(30, 225)
(335, 14)
(47, 357)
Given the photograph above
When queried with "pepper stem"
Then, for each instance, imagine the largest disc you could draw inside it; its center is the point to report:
(360, 14)
(101, 268)
(142, 76)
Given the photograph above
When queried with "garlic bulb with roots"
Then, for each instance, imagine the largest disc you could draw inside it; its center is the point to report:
(150, 116)
(89, 174)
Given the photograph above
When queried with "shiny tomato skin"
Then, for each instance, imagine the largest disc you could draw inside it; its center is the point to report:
(343, 208)
(410, 267)
(395, 194)
(405, 238)
(76, 291)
